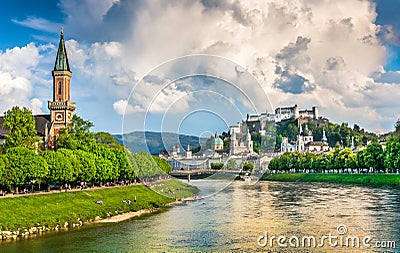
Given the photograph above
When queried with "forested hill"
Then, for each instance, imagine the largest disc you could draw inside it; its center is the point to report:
(155, 142)
(337, 134)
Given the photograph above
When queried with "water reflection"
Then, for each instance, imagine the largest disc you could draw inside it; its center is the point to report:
(233, 219)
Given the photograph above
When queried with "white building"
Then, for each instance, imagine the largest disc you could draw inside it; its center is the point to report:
(305, 142)
(241, 142)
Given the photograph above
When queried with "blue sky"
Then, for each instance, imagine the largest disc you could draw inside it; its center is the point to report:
(343, 56)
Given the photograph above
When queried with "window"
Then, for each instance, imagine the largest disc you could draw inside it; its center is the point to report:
(59, 88)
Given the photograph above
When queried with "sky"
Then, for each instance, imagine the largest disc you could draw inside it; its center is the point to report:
(198, 66)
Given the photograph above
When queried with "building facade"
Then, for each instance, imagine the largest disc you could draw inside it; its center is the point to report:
(305, 142)
(217, 143)
(241, 143)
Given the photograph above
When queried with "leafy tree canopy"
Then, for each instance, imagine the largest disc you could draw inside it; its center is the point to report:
(163, 164)
(76, 135)
(217, 165)
(21, 124)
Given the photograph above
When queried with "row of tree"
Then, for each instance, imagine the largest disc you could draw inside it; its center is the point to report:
(373, 158)
(232, 164)
(81, 156)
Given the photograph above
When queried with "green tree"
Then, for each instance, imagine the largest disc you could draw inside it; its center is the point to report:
(256, 138)
(397, 127)
(392, 154)
(309, 161)
(217, 165)
(39, 168)
(21, 124)
(107, 139)
(231, 165)
(62, 166)
(335, 161)
(146, 165)
(322, 162)
(248, 166)
(163, 164)
(74, 164)
(294, 161)
(273, 164)
(287, 128)
(360, 159)
(2, 168)
(374, 156)
(22, 165)
(133, 164)
(87, 165)
(284, 162)
(76, 135)
(107, 165)
(124, 169)
(345, 158)
(227, 142)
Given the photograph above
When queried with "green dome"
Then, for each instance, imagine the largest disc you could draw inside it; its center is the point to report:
(218, 141)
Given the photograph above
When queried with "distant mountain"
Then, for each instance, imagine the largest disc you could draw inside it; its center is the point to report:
(155, 142)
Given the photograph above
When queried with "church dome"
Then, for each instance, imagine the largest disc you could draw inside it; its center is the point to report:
(218, 141)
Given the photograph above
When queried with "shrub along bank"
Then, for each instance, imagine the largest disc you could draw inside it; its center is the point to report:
(361, 179)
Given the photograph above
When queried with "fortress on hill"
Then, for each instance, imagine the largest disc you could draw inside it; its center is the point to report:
(257, 123)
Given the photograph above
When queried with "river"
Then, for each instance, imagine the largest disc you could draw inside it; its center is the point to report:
(241, 216)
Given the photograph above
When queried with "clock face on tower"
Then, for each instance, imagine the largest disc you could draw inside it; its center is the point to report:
(59, 116)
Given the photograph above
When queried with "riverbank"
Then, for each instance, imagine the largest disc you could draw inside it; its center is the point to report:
(35, 214)
(130, 215)
(359, 179)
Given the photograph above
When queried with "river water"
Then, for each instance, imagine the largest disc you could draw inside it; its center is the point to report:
(241, 216)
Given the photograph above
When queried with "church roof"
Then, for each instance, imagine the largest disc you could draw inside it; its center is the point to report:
(62, 59)
(317, 143)
(40, 123)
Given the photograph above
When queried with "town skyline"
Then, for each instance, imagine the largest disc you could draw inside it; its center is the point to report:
(346, 61)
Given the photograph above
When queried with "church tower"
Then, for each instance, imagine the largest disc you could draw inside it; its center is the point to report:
(61, 108)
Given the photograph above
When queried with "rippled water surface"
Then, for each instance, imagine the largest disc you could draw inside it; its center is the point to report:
(233, 220)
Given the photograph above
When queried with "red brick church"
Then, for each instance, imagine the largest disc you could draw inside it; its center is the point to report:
(61, 108)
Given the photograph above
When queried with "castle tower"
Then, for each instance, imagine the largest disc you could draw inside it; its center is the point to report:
(61, 108)
(233, 144)
(300, 141)
(249, 142)
(315, 112)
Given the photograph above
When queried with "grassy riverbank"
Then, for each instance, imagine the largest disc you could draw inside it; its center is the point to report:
(58, 209)
(361, 179)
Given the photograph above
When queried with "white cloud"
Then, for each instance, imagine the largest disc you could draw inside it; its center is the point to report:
(20, 60)
(326, 53)
(16, 74)
(39, 24)
(122, 107)
(36, 106)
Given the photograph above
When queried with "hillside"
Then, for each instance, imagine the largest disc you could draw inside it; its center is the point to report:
(155, 142)
(337, 134)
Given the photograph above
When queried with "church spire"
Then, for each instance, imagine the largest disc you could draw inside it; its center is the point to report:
(62, 59)
(324, 139)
